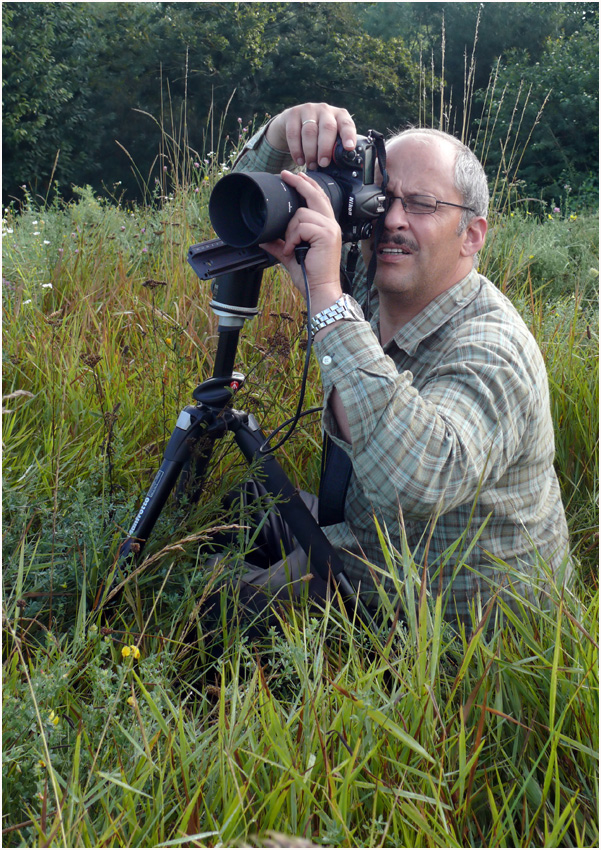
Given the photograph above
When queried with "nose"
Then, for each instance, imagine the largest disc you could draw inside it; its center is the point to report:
(396, 217)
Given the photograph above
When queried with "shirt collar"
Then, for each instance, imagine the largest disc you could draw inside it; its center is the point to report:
(437, 313)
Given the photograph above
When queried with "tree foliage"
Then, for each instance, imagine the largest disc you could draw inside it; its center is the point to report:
(47, 90)
(100, 81)
(560, 157)
(529, 55)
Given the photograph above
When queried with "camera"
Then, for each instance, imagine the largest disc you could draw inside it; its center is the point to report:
(247, 208)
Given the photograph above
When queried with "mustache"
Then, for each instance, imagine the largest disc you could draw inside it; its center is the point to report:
(395, 239)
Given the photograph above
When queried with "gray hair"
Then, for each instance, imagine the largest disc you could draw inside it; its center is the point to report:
(469, 178)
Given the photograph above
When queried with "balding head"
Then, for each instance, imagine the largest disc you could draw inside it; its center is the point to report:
(469, 176)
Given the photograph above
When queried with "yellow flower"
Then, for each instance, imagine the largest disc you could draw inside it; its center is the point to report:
(53, 718)
(168, 340)
(131, 700)
(132, 649)
(530, 256)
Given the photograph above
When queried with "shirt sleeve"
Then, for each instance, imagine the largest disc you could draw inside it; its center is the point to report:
(431, 450)
(258, 155)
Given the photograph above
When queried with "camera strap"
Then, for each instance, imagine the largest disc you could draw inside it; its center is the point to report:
(348, 275)
(378, 140)
(336, 466)
(336, 469)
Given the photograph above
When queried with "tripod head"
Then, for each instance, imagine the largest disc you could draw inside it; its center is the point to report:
(237, 274)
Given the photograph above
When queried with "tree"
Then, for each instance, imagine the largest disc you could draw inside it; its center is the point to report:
(108, 83)
(48, 51)
(261, 57)
(461, 33)
(562, 154)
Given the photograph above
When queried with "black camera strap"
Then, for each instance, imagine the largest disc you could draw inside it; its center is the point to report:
(350, 267)
(336, 469)
(336, 466)
(378, 140)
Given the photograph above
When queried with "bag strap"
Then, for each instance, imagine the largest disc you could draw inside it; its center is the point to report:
(336, 469)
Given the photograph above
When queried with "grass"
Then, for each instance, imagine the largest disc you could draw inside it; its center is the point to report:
(337, 734)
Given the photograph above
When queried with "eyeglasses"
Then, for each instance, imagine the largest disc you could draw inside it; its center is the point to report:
(421, 204)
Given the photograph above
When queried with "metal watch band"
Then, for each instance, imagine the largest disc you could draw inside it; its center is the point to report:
(339, 310)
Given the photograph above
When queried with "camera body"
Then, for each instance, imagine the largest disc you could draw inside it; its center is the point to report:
(354, 173)
(248, 208)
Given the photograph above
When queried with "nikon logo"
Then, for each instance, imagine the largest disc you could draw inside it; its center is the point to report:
(351, 204)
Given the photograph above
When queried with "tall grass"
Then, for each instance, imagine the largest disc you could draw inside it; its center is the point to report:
(120, 733)
(336, 733)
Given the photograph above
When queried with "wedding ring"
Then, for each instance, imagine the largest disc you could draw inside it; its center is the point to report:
(308, 121)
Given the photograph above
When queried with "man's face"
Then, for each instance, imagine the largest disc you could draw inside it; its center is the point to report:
(420, 256)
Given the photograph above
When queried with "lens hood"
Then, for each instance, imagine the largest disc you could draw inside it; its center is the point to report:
(248, 208)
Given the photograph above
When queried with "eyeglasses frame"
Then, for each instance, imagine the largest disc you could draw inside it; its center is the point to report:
(392, 198)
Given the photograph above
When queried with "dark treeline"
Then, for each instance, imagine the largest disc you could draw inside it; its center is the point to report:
(88, 87)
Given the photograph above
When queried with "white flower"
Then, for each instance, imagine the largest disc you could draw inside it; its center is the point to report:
(28, 301)
(47, 285)
(36, 232)
(46, 242)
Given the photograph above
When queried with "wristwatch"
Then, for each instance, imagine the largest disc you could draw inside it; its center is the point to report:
(345, 308)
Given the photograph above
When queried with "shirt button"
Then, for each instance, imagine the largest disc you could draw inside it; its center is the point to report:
(326, 360)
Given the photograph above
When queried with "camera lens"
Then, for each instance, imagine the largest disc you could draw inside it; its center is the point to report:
(249, 208)
(246, 209)
(252, 209)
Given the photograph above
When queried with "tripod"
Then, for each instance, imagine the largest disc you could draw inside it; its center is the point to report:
(237, 280)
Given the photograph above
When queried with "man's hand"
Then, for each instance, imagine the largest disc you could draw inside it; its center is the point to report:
(309, 132)
(317, 226)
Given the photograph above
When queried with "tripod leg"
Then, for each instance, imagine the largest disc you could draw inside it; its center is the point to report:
(324, 558)
(192, 425)
(310, 536)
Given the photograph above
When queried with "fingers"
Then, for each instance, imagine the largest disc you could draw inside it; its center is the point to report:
(311, 227)
(316, 225)
(311, 131)
(313, 194)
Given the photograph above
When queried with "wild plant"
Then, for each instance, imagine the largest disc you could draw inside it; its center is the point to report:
(125, 731)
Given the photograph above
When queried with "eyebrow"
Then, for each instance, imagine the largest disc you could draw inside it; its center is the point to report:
(430, 192)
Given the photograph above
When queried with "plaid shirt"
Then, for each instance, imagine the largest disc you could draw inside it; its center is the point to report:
(452, 440)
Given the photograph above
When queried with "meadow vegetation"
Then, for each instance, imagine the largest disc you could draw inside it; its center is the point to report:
(116, 732)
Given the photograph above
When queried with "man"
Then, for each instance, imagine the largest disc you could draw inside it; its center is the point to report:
(441, 399)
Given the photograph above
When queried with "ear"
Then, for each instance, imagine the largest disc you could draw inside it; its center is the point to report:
(474, 236)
